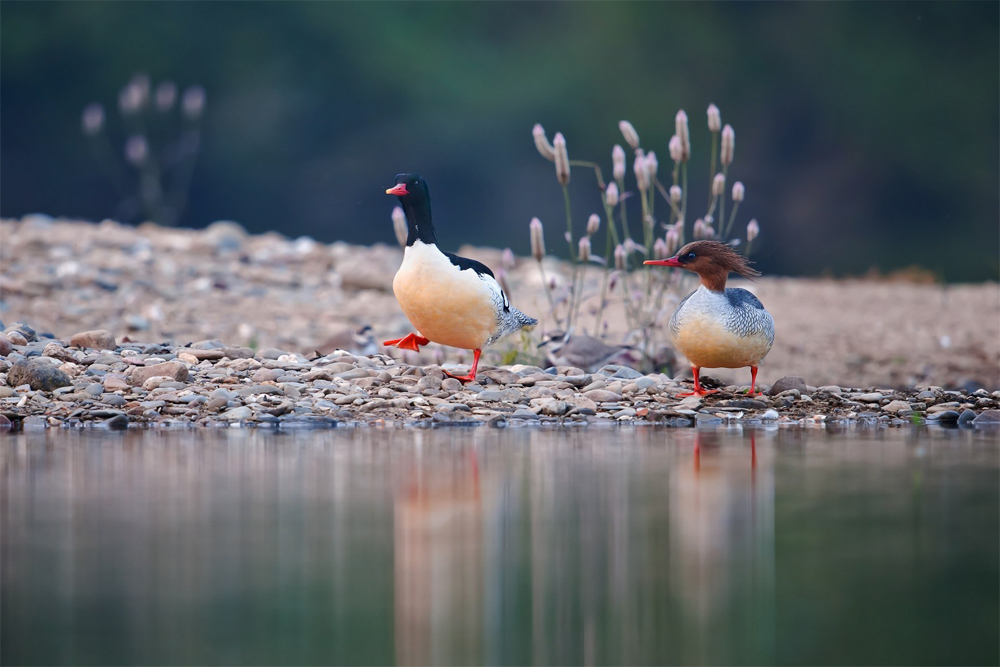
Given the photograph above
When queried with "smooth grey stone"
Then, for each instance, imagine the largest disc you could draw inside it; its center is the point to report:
(95, 389)
(113, 399)
(948, 416)
(703, 418)
(967, 417)
(786, 383)
(119, 421)
(620, 372)
(259, 389)
(223, 393)
(645, 382)
(987, 417)
(34, 423)
(746, 404)
(217, 403)
(522, 413)
(236, 414)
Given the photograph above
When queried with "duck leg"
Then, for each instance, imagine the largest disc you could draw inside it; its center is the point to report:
(698, 389)
(753, 383)
(472, 373)
(408, 342)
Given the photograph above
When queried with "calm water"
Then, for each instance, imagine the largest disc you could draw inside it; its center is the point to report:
(517, 546)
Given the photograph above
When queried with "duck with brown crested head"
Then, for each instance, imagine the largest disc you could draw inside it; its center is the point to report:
(716, 326)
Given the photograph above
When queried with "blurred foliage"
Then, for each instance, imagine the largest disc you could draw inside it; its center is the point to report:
(866, 133)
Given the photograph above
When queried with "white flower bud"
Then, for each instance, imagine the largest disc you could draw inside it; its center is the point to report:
(593, 224)
(136, 149)
(714, 118)
(753, 229)
(718, 185)
(703, 230)
(652, 166)
(93, 119)
(561, 158)
(676, 154)
(621, 257)
(399, 225)
(738, 191)
(675, 194)
(728, 144)
(542, 143)
(641, 173)
(672, 240)
(618, 162)
(684, 134)
(631, 136)
(585, 249)
(166, 95)
(537, 239)
(193, 102)
(507, 259)
(612, 194)
(660, 249)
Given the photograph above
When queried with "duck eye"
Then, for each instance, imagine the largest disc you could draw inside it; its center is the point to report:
(689, 257)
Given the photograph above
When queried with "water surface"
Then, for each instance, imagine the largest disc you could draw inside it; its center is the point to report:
(516, 546)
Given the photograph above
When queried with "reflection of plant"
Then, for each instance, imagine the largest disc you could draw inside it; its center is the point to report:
(645, 292)
(160, 148)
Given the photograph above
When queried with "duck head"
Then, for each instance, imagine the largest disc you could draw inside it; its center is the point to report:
(415, 198)
(713, 261)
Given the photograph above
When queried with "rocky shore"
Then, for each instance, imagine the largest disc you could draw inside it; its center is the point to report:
(107, 326)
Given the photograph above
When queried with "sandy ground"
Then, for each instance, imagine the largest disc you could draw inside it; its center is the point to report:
(153, 284)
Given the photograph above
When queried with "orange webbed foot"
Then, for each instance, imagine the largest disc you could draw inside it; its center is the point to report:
(699, 392)
(471, 377)
(409, 342)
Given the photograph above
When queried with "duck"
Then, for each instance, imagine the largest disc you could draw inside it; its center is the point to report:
(567, 348)
(716, 326)
(449, 300)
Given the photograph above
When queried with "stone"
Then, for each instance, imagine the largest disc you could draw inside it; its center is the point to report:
(872, 397)
(259, 389)
(770, 416)
(175, 370)
(7, 392)
(16, 338)
(95, 389)
(786, 383)
(38, 374)
(115, 383)
(602, 396)
(987, 417)
(946, 416)
(98, 339)
(451, 384)
(237, 414)
(6, 346)
(620, 372)
(266, 375)
(551, 407)
(966, 417)
(746, 404)
(113, 400)
(116, 422)
(523, 413)
(893, 407)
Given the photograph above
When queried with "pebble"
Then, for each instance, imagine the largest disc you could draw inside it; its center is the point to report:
(873, 397)
(966, 417)
(6, 346)
(172, 369)
(786, 383)
(895, 407)
(237, 414)
(100, 339)
(16, 338)
(602, 396)
(987, 417)
(40, 375)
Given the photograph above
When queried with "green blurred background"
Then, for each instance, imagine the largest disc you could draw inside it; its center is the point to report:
(866, 133)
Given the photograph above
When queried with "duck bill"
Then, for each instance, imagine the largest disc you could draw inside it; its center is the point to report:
(399, 190)
(670, 261)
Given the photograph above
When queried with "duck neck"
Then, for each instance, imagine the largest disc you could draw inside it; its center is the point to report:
(714, 281)
(418, 221)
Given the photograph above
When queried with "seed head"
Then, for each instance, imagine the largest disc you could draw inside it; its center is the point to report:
(585, 249)
(718, 185)
(611, 194)
(703, 230)
(193, 102)
(166, 95)
(507, 259)
(593, 223)
(671, 240)
(399, 225)
(537, 239)
(618, 162)
(561, 158)
(130, 99)
(714, 118)
(631, 247)
(675, 148)
(631, 136)
(738, 191)
(660, 249)
(684, 134)
(753, 229)
(675, 194)
(542, 143)
(136, 149)
(92, 119)
(728, 144)
(641, 173)
(652, 165)
(621, 257)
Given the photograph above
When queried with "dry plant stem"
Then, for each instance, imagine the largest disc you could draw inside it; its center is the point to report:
(684, 190)
(548, 293)
(593, 165)
(711, 172)
(572, 256)
(610, 241)
(722, 204)
(732, 217)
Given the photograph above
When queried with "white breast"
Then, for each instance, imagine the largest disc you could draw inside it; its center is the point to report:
(448, 305)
